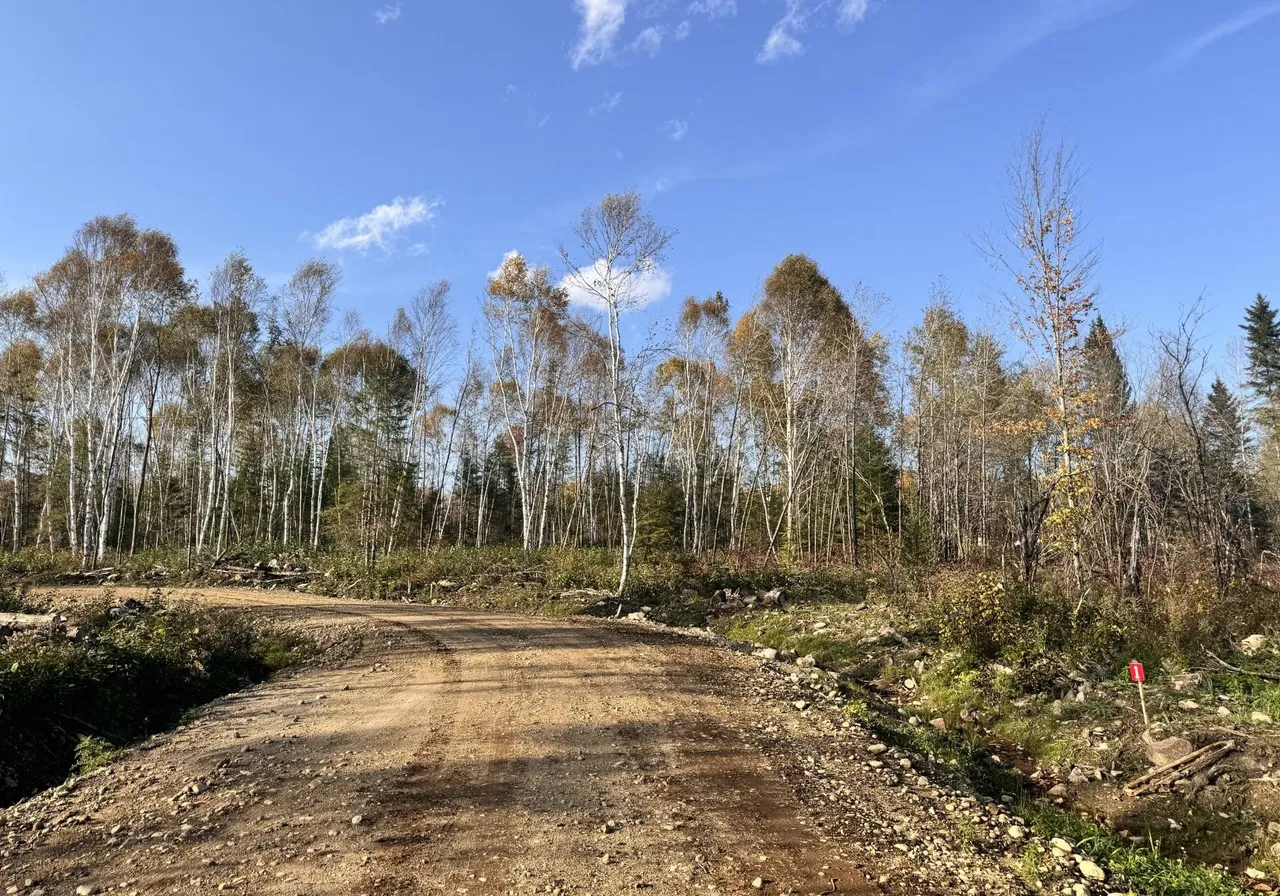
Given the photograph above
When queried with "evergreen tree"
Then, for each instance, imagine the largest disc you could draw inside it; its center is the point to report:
(1262, 337)
(1108, 394)
(1226, 435)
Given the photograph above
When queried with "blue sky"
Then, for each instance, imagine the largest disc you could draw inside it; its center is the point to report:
(423, 140)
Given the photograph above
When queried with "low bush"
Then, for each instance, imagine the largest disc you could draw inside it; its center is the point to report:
(66, 704)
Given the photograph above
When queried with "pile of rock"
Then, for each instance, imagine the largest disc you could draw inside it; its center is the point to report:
(733, 600)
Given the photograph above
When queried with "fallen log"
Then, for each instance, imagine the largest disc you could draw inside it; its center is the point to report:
(26, 620)
(1180, 768)
(1266, 676)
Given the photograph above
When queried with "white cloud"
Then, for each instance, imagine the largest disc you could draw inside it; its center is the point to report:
(647, 287)
(418, 249)
(714, 9)
(649, 41)
(601, 22)
(376, 228)
(851, 12)
(608, 104)
(676, 129)
(387, 14)
(1185, 52)
(682, 30)
(542, 122)
(662, 185)
(509, 92)
(782, 41)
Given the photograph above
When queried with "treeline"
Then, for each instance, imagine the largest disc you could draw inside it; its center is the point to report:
(144, 410)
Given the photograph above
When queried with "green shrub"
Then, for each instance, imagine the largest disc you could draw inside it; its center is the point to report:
(93, 753)
(123, 679)
(981, 617)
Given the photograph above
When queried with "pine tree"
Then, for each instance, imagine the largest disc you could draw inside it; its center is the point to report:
(1262, 335)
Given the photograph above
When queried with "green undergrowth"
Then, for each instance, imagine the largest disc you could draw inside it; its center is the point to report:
(1013, 716)
(68, 704)
(1144, 870)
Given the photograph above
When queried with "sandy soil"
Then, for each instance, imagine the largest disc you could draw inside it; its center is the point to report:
(463, 752)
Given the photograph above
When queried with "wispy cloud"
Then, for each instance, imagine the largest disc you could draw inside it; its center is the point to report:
(376, 228)
(542, 122)
(387, 14)
(683, 29)
(601, 22)
(714, 9)
(977, 58)
(851, 12)
(645, 288)
(649, 41)
(510, 91)
(1188, 50)
(783, 41)
(607, 105)
(676, 129)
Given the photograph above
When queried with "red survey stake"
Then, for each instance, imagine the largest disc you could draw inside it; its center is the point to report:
(1138, 675)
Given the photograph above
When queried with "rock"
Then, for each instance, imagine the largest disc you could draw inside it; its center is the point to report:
(609, 827)
(637, 617)
(1255, 874)
(773, 598)
(876, 749)
(939, 723)
(1188, 705)
(800, 704)
(1224, 711)
(1260, 718)
(807, 662)
(1015, 832)
(86, 890)
(909, 684)
(357, 819)
(1089, 871)
(766, 653)
(1077, 776)
(819, 626)
(1252, 644)
(757, 884)
(1061, 848)
(1058, 790)
(1171, 749)
(1187, 682)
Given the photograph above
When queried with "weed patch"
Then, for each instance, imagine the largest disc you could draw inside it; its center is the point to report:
(68, 704)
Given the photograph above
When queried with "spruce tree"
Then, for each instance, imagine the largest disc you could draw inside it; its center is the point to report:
(1262, 337)
(1226, 435)
(1107, 390)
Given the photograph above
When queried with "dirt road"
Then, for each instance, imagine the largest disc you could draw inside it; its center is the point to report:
(462, 752)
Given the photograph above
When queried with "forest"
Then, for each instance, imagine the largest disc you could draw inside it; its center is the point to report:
(143, 410)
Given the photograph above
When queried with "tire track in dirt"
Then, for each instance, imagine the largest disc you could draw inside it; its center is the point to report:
(482, 753)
